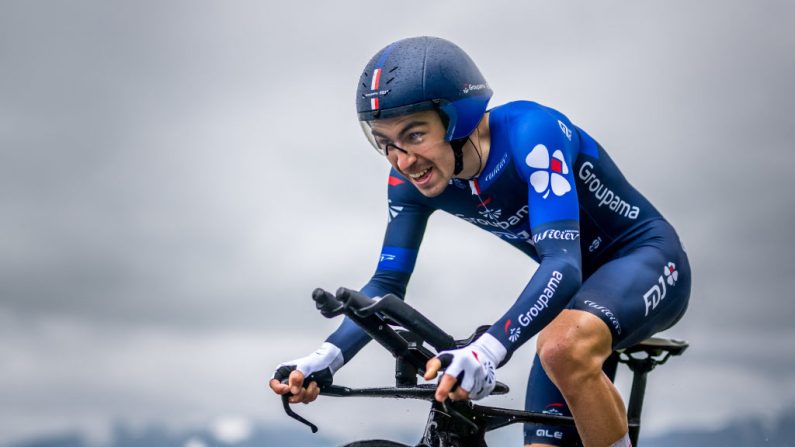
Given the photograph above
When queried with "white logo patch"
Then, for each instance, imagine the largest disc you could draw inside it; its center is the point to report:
(654, 296)
(490, 213)
(550, 175)
(515, 333)
(566, 131)
(394, 211)
(671, 274)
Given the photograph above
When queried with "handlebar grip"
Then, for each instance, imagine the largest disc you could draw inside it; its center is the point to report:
(352, 298)
(326, 303)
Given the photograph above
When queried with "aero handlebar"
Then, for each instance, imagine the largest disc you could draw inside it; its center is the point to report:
(401, 313)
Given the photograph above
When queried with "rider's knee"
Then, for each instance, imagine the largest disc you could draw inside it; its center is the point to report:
(568, 357)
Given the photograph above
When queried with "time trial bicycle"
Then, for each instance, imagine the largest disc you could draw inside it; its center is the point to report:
(413, 339)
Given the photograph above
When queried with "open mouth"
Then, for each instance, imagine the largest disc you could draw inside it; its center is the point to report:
(422, 176)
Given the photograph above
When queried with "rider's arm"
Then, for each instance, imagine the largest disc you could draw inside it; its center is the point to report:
(545, 155)
(408, 217)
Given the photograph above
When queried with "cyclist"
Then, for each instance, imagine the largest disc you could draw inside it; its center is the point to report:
(611, 271)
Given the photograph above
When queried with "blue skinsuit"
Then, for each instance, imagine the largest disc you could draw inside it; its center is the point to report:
(550, 190)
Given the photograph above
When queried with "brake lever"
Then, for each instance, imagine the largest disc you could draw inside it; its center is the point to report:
(294, 415)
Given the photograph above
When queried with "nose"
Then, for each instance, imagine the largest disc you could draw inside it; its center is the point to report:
(405, 160)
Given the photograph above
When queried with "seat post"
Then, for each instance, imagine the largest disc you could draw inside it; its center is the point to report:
(657, 351)
(640, 369)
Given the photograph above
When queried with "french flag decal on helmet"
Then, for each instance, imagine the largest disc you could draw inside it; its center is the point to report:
(374, 86)
(376, 79)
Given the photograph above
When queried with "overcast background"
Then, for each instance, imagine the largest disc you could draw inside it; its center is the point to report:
(176, 177)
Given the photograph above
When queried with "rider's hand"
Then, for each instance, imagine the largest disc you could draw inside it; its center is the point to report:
(469, 371)
(318, 368)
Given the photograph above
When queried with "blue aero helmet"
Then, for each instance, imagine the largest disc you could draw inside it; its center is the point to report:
(424, 73)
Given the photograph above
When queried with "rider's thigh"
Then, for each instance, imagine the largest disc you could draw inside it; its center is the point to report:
(643, 290)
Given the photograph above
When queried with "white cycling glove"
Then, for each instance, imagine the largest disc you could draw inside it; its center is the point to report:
(318, 366)
(474, 365)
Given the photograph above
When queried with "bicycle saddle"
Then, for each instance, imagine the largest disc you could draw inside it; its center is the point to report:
(655, 346)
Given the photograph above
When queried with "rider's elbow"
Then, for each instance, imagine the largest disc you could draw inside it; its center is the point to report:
(570, 271)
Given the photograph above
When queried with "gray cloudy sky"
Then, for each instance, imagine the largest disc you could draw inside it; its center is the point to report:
(176, 177)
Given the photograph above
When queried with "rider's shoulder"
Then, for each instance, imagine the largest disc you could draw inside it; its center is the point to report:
(527, 123)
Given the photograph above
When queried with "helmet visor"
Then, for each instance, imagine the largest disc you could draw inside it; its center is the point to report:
(378, 128)
(415, 132)
(367, 128)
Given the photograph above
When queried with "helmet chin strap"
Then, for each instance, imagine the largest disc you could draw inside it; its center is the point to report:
(458, 154)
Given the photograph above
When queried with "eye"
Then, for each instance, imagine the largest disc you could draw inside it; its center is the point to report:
(416, 137)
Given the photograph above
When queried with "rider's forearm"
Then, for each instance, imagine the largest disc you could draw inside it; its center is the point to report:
(349, 337)
(545, 296)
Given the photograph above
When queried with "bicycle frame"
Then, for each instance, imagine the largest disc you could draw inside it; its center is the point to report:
(457, 423)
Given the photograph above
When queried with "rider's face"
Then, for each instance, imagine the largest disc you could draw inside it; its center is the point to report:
(415, 146)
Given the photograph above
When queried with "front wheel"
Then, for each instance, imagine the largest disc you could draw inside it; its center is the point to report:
(375, 443)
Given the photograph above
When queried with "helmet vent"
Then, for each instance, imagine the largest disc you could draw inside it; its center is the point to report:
(390, 80)
(364, 84)
(393, 69)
